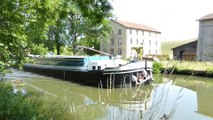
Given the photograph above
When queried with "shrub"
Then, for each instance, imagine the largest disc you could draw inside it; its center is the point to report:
(157, 67)
(31, 106)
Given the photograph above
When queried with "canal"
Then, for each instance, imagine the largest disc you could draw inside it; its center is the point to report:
(178, 97)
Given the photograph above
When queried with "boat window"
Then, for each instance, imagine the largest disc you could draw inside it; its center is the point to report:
(93, 67)
(99, 67)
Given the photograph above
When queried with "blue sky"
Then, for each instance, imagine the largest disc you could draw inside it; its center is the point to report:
(176, 19)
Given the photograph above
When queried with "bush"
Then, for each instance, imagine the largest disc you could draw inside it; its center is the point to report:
(16, 106)
(157, 67)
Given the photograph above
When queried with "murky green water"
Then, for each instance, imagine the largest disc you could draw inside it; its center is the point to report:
(181, 97)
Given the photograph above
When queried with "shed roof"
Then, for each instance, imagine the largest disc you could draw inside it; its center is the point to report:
(135, 25)
(207, 17)
(184, 44)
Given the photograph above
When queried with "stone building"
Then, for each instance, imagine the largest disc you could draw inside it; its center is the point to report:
(205, 38)
(126, 36)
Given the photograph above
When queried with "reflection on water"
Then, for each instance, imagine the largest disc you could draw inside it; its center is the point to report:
(178, 97)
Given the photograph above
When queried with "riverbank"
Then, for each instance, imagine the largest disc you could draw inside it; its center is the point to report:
(187, 68)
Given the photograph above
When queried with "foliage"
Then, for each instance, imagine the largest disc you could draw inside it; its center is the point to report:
(209, 72)
(139, 51)
(86, 20)
(30, 106)
(23, 26)
(157, 67)
(15, 106)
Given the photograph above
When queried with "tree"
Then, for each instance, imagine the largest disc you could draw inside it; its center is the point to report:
(23, 25)
(84, 20)
(139, 51)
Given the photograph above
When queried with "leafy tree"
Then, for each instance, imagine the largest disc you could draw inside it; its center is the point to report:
(85, 20)
(23, 25)
(139, 51)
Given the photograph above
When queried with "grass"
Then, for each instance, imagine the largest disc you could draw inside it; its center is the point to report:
(191, 65)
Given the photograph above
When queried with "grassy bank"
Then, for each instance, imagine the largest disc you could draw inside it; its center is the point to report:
(188, 68)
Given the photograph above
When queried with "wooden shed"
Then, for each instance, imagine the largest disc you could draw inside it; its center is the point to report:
(186, 51)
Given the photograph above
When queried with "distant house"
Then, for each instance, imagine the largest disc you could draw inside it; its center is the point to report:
(205, 38)
(186, 51)
(126, 36)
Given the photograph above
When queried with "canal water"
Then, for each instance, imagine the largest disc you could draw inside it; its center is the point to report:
(177, 97)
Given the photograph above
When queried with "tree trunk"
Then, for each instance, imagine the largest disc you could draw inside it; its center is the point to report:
(58, 44)
(74, 45)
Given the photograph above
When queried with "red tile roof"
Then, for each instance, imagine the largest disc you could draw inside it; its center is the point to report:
(135, 25)
(207, 17)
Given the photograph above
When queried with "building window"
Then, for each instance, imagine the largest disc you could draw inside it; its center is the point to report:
(112, 51)
(104, 50)
(149, 51)
(142, 42)
(130, 31)
(112, 41)
(156, 43)
(137, 42)
(119, 32)
(130, 40)
(119, 41)
(142, 32)
(150, 42)
(156, 52)
(150, 34)
(156, 34)
(119, 51)
(137, 32)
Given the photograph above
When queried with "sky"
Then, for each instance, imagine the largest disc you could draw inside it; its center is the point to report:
(176, 19)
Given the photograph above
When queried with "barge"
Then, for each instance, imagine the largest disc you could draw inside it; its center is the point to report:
(99, 71)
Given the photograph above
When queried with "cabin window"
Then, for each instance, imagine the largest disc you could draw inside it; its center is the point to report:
(119, 32)
(119, 41)
(99, 67)
(93, 67)
(119, 51)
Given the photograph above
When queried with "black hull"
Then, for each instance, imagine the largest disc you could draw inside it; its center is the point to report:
(94, 78)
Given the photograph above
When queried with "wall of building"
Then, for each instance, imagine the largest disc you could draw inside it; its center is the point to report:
(205, 40)
(150, 41)
(136, 38)
(118, 32)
